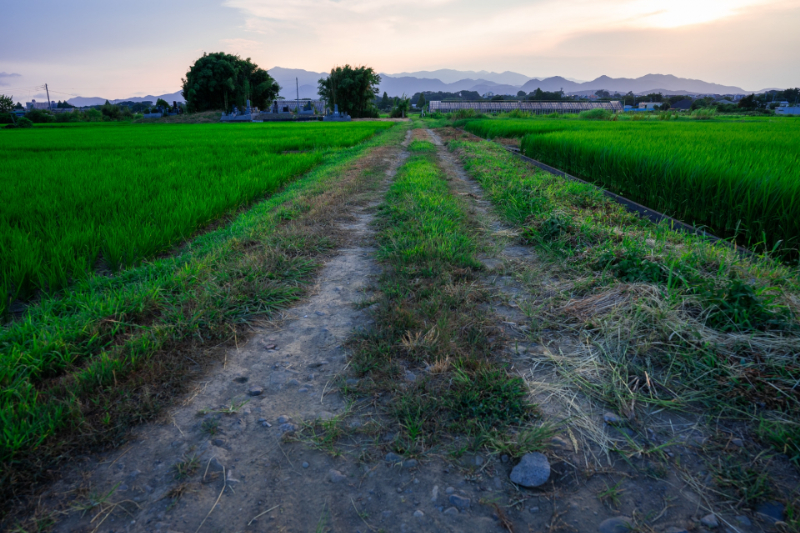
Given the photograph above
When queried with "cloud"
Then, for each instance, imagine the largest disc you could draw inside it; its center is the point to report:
(242, 46)
(8, 75)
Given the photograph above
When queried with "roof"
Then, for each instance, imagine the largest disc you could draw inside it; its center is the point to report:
(682, 104)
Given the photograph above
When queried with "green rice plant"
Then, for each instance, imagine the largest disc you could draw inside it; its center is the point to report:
(704, 113)
(76, 199)
(595, 114)
(741, 180)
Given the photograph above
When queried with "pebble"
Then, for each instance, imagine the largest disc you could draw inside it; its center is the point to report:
(255, 391)
(533, 470)
(451, 511)
(283, 419)
(240, 379)
(392, 457)
(617, 524)
(533, 510)
(319, 313)
(419, 514)
(435, 493)
(611, 419)
(771, 510)
(449, 490)
(287, 427)
(334, 476)
(710, 520)
(504, 458)
(264, 423)
(317, 364)
(351, 381)
(409, 376)
(478, 460)
(218, 442)
(305, 465)
(292, 383)
(460, 501)
(302, 389)
(737, 442)
(742, 519)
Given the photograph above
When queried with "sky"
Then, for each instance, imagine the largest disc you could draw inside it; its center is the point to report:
(119, 49)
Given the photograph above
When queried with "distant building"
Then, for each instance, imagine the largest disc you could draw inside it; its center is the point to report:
(30, 106)
(682, 105)
(787, 110)
(724, 102)
(649, 106)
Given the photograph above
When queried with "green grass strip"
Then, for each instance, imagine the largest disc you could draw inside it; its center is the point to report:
(65, 356)
(430, 322)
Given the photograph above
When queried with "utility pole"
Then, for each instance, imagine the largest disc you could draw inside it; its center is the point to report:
(49, 104)
(297, 85)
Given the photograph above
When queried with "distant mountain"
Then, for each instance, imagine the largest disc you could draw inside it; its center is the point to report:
(504, 83)
(83, 101)
(666, 82)
(452, 76)
(307, 79)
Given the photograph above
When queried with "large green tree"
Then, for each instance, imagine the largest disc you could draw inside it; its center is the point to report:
(221, 81)
(6, 103)
(353, 89)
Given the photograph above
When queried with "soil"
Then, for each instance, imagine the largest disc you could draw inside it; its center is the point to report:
(246, 472)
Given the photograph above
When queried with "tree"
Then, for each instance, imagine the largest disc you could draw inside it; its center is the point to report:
(401, 107)
(385, 102)
(521, 94)
(6, 103)
(351, 88)
(539, 94)
(655, 97)
(18, 106)
(221, 81)
(421, 101)
(162, 104)
(748, 102)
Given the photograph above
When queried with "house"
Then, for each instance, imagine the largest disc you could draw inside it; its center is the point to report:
(649, 106)
(787, 110)
(682, 105)
(30, 106)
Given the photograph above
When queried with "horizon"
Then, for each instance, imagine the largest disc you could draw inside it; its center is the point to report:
(84, 49)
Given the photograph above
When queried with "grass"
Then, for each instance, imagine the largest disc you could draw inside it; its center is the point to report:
(75, 200)
(739, 179)
(114, 348)
(429, 323)
(665, 320)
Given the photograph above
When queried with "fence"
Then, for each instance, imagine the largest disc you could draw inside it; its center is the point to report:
(536, 108)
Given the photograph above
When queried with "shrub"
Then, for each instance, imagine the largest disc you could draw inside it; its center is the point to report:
(24, 122)
(595, 114)
(466, 113)
(40, 116)
(518, 113)
(93, 115)
(704, 114)
(73, 116)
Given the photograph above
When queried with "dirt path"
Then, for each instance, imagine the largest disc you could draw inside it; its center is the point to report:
(267, 442)
(171, 475)
(653, 483)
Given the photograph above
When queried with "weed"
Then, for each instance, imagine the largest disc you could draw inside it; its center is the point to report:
(186, 468)
(746, 483)
(210, 426)
(611, 495)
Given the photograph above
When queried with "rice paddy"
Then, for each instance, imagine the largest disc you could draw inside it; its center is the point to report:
(739, 179)
(75, 200)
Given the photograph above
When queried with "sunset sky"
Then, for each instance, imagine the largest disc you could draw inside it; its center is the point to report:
(114, 49)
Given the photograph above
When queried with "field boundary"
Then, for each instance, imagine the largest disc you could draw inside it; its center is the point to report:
(632, 207)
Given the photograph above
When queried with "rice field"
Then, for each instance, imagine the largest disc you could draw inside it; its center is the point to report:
(75, 200)
(739, 179)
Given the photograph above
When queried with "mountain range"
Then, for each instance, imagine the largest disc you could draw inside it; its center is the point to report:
(294, 80)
